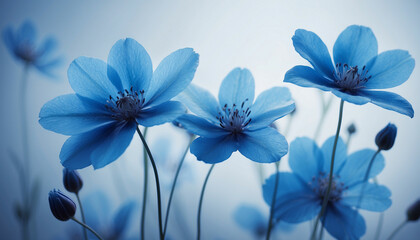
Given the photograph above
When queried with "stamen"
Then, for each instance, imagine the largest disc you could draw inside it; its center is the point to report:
(234, 119)
(127, 105)
(350, 78)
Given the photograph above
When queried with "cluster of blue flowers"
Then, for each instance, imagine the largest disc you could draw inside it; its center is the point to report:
(325, 184)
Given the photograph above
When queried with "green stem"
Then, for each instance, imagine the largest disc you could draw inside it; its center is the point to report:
(330, 176)
(159, 201)
(146, 176)
(201, 202)
(273, 202)
(379, 227)
(83, 215)
(87, 227)
(178, 170)
(397, 230)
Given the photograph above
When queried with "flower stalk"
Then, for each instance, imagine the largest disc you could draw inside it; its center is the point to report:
(146, 177)
(201, 202)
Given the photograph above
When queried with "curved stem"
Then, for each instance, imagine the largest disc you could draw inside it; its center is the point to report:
(26, 163)
(273, 202)
(397, 230)
(88, 228)
(159, 201)
(178, 170)
(330, 177)
(83, 215)
(201, 202)
(146, 176)
(366, 177)
(325, 108)
(379, 227)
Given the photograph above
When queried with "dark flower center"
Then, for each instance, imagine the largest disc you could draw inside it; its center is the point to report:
(350, 78)
(26, 52)
(319, 185)
(126, 105)
(234, 118)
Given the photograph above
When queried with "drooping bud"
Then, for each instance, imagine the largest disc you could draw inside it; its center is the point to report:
(351, 129)
(72, 180)
(413, 212)
(62, 207)
(386, 137)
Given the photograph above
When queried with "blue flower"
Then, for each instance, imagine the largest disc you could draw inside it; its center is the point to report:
(112, 99)
(300, 192)
(358, 68)
(23, 46)
(250, 218)
(236, 122)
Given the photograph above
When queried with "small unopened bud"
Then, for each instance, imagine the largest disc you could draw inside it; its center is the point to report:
(351, 129)
(62, 207)
(413, 212)
(72, 180)
(386, 137)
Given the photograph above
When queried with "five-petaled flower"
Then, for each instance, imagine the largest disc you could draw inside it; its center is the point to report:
(113, 98)
(22, 45)
(236, 122)
(300, 193)
(358, 68)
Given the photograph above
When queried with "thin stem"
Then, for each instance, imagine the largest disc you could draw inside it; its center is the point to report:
(379, 227)
(201, 202)
(348, 140)
(366, 177)
(87, 227)
(26, 174)
(325, 108)
(330, 176)
(273, 202)
(146, 177)
(83, 215)
(159, 201)
(397, 230)
(178, 170)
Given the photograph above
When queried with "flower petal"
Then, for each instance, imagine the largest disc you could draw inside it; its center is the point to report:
(340, 154)
(390, 101)
(352, 98)
(27, 33)
(313, 49)
(213, 150)
(122, 218)
(295, 202)
(9, 40)
(87, 77)
(375, 197)
(343, 222)
(265, 145)
(47, 47)
(47, 66)
(355, 46)
(71, 114)
(305, 158)
(238, 87)
(307, 77)
(201, 102)
(356, 166)
(201, 127)
(270, 105)
(160, 114)
(249, 217)
(390, 69)
(98, 147)
(130, 65)
(172, 76)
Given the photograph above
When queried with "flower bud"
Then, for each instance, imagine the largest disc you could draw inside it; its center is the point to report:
(351, 129)
(386, 137)
(62, 207)
(72, 181)
(413, 212)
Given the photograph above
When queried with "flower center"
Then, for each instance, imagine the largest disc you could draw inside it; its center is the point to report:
(26, 52)
(319, 185)
(350, 78)
(233, 118)
(126, 105)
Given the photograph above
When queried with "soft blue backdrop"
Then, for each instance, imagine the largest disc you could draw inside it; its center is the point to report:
(226, 34)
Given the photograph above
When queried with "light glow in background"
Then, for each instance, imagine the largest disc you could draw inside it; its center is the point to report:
(226, 34)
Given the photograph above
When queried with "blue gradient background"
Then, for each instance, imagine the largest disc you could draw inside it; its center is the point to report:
(226, 34)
